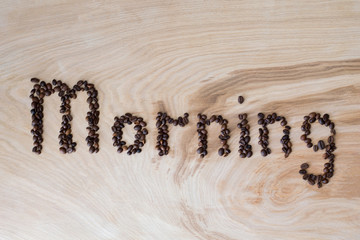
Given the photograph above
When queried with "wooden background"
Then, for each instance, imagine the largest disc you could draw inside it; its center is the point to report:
(292, 57)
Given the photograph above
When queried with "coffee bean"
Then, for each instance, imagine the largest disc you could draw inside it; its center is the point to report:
(316, 148)
(263, 152)
(321, 144)
(34, 80)
(304, 166)
(312, 115)
(241, 99)
(303, 137)
(302, 171)
(325, 181)
(221, 151)
(62, 150)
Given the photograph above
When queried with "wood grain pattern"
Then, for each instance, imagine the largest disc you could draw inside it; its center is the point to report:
(292, 57)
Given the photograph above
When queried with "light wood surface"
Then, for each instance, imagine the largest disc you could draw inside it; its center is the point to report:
(291, 57)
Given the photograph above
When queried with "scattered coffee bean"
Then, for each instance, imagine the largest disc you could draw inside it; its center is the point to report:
(321, 144)
(241, 99)
(220, 151)
(263, 152)
(34, 80)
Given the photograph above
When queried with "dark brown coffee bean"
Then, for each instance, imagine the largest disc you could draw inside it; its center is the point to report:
(311, 120)
(329, 175)
(241, 99)
(321, 144)
(304, 166)
(312, 114)
(221, 151)
(62, 150)
(34, 80)
(325, 181)
(303, 137)
(316, 148)
(264, 153)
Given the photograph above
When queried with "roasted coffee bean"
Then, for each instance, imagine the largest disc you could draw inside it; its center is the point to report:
(321, 144)
(241, 99)
(316, 148)
(304, 166)
(62, 150)
(302, 171)
(221, 151)
(311, 181)
(263, 152)
(34, 80)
